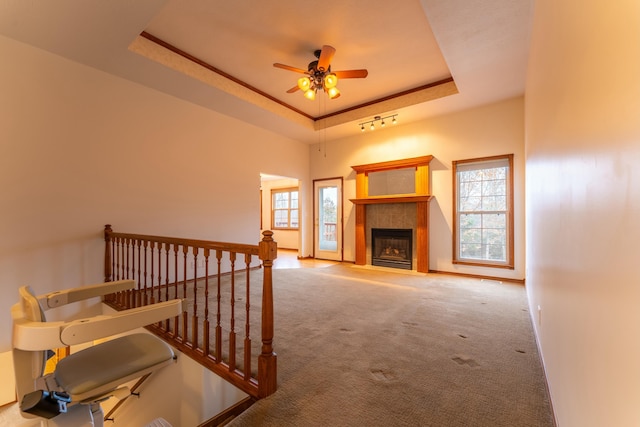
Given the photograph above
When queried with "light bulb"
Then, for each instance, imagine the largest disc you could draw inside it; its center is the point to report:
(372, 127)
(382, 124)
(330, 80)
(394, 120)
(310, 94)
(333, 92)
(304, 83)
(362, 127)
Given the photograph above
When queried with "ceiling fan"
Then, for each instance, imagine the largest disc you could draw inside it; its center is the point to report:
(320, 76)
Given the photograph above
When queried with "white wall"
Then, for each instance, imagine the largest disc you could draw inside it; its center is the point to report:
(583, 207)
(80, 148)
(486, 131)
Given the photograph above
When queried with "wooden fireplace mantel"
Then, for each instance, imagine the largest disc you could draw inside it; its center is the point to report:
(421, 198)
(391, 199)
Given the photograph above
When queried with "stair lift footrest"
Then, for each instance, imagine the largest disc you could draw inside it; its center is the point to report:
(44, 404)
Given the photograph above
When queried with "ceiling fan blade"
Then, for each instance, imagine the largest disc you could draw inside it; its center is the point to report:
(293, 89)
(351, 74)
(290, 68)
(326, 55)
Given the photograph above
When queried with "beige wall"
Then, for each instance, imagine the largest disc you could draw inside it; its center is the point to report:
(486, 131)
(583, 207)
(80, 148)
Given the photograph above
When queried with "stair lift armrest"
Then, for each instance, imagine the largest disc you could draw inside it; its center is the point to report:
(37, 336)
(84, 330)
(68, 296)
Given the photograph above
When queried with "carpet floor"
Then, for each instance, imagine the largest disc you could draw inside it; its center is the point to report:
(365, 347)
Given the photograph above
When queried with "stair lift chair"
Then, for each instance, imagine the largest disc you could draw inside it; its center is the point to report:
(71, 395)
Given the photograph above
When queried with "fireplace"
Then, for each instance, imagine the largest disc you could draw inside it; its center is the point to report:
(416, 200)
(392, 247)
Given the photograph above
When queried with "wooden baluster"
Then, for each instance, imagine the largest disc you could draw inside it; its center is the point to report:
(123, 245)
(267, 361)
(232, 302)
(117, 272)
(247, 334)
(167, 248)
(125, 262)
(219, 315)
(185, 314)
(194, 317)
(152, 249)
(137, 267)
(159, 272)
(176, 320)
(108, 253)
(135, 259)
(142, 297)
(205, 323)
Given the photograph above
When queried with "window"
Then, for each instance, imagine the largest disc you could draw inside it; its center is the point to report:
(284, 208)
(483, 211)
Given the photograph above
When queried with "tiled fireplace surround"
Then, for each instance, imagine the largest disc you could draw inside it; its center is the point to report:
(391, 215)
(394, 210)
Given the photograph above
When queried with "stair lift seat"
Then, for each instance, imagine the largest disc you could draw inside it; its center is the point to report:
(85, 378)
(104, 367)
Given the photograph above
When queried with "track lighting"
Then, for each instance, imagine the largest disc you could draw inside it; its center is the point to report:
(372, 125)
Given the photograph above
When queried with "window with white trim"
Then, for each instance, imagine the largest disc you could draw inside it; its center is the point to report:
(483, 211)
(284, 209)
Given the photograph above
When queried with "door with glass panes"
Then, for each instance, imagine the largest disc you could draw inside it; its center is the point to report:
(327, 219)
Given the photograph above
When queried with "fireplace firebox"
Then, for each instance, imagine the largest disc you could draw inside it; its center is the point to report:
(392, 247)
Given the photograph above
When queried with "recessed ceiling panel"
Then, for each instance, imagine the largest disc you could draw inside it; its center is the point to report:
(244, 38)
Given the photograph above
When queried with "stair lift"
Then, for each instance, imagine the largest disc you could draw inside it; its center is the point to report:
(71, 395)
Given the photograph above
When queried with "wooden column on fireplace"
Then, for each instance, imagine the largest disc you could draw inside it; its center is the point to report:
(420, 197)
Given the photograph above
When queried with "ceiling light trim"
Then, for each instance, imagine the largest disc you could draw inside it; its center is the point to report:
(158, 50)
(219, 72)
(426, 93)
(163, 54)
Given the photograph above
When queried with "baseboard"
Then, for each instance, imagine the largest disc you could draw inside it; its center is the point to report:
(479, 276)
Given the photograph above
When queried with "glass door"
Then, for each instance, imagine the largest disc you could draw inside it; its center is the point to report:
(327, 233)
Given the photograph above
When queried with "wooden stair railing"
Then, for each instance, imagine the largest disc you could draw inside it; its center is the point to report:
(205, 274)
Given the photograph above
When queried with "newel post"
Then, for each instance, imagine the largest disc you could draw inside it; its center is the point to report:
(107, 253)
(267, 366)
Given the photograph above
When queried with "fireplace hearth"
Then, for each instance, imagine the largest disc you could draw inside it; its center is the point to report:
(392, 247)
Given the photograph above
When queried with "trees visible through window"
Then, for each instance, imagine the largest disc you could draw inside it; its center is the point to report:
(284, 208)
(483, 217)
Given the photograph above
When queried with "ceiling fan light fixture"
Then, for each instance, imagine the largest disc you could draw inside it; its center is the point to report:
(330, 80)
(320, 76)
(310, 94)
(333, 92)
(304, 83)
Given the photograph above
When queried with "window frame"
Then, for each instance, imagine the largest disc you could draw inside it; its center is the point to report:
(456, 258)
(289, 190)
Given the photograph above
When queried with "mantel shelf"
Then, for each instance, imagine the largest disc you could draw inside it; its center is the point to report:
(390, 199)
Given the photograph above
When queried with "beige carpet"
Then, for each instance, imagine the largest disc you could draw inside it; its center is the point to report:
(361, 347)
